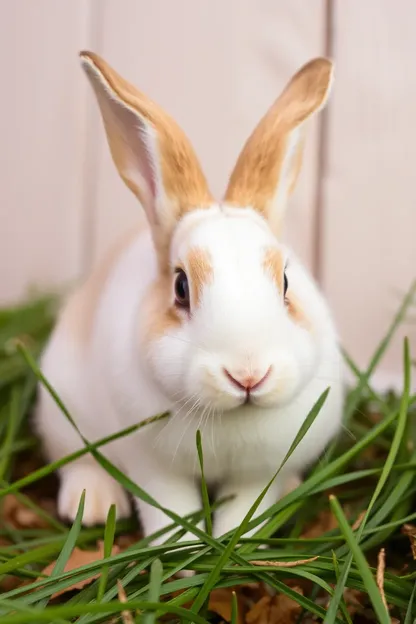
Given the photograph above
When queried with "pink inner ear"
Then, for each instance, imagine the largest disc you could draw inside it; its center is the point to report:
(146, 161)
(139, 163)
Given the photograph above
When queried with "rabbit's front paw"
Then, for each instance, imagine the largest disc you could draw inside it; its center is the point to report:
(101, 491)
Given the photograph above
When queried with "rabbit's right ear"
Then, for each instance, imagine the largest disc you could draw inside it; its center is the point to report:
(150, 151)
(270, 161)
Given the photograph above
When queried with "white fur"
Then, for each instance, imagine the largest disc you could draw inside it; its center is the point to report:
(113, 382)
(120, 376)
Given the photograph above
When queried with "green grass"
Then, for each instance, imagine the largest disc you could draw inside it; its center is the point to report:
(367, 474)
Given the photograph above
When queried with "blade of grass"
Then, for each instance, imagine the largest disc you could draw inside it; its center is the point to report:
(69, 545)
(366, 385)
(394, 450)
(368, 579)
(317, 478)
(12, 426)
(52, 614)
(400, 430)
(132, 553)
(109, 533)
(409, 617)
(342, 604)
(156, 571)
(39, 511)
(13, 607)
(283, 516)
(43, 472)
(204, 490)
(28, 558)
(30, 318)
(112, 592)
(381, 349)
(364, 378)
(394, 507)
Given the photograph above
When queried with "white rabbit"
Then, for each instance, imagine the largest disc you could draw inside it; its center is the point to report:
(203, 312)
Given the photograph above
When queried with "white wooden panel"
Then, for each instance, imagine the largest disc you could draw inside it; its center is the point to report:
(216, 67)
(370, 194)
(42, 134)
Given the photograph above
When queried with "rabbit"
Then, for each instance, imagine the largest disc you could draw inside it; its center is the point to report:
(202, 311)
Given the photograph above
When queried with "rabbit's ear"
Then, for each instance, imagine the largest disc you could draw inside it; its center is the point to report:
(150, 151)
(268, 166)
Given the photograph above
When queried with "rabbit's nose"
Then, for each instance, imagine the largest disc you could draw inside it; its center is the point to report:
(247, 383)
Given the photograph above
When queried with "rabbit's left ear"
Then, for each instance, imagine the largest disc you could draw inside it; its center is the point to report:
(152, 154)
(268, 166)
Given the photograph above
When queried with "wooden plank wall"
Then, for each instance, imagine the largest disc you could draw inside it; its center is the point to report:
(43, 143)
(216, 67)
(369, 199)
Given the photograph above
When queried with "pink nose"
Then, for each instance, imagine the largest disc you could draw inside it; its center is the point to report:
(249, 382)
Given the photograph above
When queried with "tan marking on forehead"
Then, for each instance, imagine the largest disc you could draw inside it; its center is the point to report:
(200, 272)
(159, 314)
(79, 314)
(296, 311)
(273, 264)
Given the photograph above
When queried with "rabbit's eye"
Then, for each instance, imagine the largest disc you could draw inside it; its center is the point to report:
(285, 285)
(181, 289)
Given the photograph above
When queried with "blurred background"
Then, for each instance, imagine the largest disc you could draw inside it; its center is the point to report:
(216, 67)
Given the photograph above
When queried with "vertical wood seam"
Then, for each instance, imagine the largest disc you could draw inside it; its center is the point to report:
(91, 156)
(322, 160)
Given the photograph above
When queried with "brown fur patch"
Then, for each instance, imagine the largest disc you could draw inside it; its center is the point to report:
(159, 314)
(296, 311)
(200, 272)
(273, 264)
(256, 176)
(79, 314)
(184, 182)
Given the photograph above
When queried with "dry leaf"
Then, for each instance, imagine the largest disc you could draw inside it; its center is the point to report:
(410, 531)
(324, 522)
(284, 564)
(220, 602)
(260, 611)
(355, 600)
(381, 566)
(126, 616)
(357, 523)
(284, 610)
(9, 582)
(16, 513)
(78, 559)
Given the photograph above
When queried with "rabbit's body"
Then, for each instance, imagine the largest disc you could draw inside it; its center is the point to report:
(244, 363)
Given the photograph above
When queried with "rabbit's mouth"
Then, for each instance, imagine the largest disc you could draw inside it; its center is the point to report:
(277, 395)
(266, 385)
